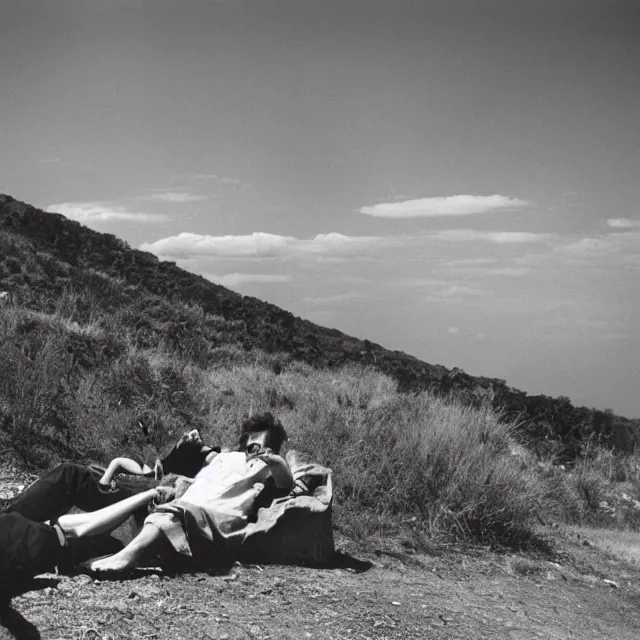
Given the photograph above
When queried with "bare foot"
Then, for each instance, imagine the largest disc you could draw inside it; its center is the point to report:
(117, 562)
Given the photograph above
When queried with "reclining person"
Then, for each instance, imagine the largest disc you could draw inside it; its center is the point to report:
(28, 548)
(185, 458)
(209, 517)
(73, 485)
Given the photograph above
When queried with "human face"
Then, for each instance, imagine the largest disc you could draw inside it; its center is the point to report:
(257, 441)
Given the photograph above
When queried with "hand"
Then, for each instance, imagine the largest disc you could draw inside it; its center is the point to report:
(265, 454)
(163, 495)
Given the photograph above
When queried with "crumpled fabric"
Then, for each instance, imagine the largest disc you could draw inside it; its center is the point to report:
(296, 528)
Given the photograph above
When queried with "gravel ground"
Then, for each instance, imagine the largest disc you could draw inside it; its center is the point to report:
(457, 593)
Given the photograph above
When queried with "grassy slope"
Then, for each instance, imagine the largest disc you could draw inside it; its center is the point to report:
(98, 337)
(414, 463)
(44, 253)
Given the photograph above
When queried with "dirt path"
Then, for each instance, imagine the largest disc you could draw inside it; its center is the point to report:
(453, 595)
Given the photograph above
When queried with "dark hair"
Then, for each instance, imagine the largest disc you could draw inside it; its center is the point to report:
(264, 422)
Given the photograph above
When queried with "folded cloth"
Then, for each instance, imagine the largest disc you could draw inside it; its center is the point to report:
(297, 528)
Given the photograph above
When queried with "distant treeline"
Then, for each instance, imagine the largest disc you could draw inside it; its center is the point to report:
(42, 255)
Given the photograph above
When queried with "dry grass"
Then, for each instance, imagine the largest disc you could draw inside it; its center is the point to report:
(77, 385)
(432, 464)
(622, 544)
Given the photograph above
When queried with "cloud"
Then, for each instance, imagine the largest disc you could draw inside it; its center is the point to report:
(214, 177)
(174, 196)
(338, 298)
(262, 245)
(240, 279)
(493, 237)
(101, 212)
(588, 246)
(623, 223)
(461, 205)
(439, 290)
(469, 262)
(455, 294)
(348, 279)
(607, 251)
(419, 282)
(512, 272)
(457, 290)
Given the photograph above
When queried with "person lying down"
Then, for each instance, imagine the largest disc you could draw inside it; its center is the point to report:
(222, 498)
(29, 548)
(186, 457)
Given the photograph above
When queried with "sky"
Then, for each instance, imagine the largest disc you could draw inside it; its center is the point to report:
(458, 179)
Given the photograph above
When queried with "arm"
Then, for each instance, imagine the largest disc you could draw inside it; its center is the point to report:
(128, 465)
(279, 468)
(188, 456)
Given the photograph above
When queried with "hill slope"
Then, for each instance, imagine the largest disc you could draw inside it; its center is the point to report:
(43, 255)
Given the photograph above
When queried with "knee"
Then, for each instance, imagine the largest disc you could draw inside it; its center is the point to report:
(69, 471)
(69, 467)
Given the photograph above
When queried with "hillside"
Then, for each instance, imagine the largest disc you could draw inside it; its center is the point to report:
(44, 254)
(430, 473)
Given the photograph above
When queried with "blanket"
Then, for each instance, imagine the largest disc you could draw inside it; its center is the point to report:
(297, 528)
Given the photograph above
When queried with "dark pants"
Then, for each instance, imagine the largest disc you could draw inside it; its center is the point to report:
(27, 548)
(70, 485)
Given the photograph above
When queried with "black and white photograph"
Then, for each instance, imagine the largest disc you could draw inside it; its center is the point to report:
(319, 319)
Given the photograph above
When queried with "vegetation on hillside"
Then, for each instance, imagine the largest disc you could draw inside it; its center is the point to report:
(78, 389)
(43, 254)
(97, 339)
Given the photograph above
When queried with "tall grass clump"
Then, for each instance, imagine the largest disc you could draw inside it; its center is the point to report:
(602, 488)
(446, 464)
(443, 466)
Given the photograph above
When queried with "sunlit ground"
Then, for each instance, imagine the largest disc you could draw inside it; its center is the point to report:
(623, 544)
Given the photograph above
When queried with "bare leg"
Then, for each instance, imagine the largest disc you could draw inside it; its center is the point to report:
(133, 553)
(91, 524)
